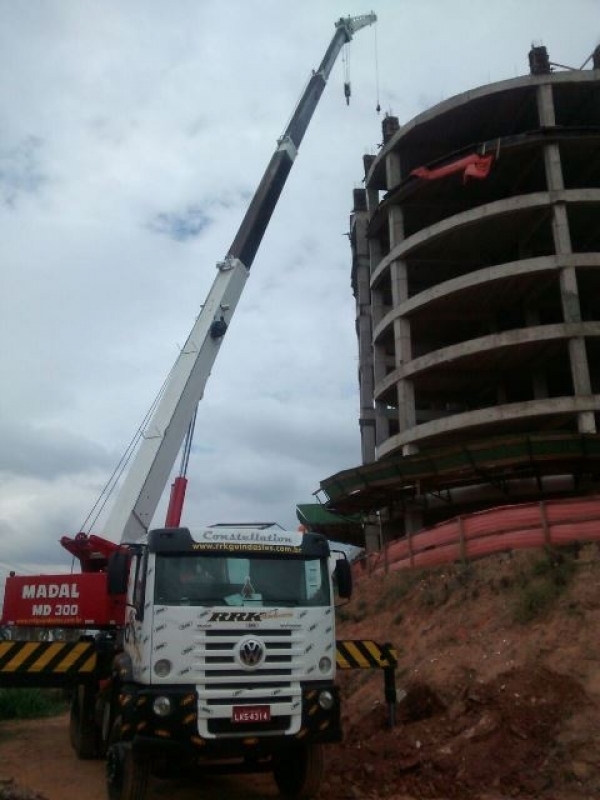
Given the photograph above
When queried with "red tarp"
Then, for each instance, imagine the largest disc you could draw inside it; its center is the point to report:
(472, 166)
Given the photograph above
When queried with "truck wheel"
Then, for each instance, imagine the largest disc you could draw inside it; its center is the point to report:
(298, 771)
(126, 773)
(82, 727)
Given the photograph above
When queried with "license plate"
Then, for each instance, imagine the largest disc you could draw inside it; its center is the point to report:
(245, 714)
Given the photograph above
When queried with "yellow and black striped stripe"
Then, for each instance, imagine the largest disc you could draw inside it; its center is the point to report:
(364, 654)
(45, 663)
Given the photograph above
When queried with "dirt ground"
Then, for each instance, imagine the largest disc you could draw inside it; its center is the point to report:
(498, 686)
(37, 763)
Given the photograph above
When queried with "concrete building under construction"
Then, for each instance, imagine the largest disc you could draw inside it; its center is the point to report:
(476, 273)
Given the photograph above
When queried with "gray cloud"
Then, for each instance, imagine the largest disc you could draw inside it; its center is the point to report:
(28, 451)
(181, 226)
(21, 170)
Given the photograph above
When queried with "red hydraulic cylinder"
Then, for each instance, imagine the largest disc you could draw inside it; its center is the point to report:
(178, 488)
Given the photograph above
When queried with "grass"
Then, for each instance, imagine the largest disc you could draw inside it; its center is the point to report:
(398, 585)
(31, 703)
(355, 613)
(546, 580)
(361, 611)
(534, 585)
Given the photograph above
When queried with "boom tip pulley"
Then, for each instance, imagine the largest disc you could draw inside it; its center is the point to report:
(353, 24)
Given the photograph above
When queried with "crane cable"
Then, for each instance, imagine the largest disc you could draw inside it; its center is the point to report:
(378, 107)
(111, 484)
(187, 446)
(346, 63)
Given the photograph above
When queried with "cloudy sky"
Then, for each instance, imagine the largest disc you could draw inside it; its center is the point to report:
(132, 136)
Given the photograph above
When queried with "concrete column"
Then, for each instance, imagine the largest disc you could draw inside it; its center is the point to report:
(393, 170)
(413, 519)
(372, 421)
(402, 338)
(365, 375)
(372, 201)
(372, 536)
(389, 126)
(569, 292)
(393, 176)
(362, 273)
(545, 104)
(407, 417)
(382, 427)
(367, 439)
(395, 225)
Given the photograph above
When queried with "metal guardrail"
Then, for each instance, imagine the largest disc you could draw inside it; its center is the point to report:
(367, 654)
(364, 654)
(24, 663)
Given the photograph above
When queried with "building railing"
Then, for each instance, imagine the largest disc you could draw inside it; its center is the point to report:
(548, 523)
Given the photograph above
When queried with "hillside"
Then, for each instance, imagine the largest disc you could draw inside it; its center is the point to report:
(501, 669)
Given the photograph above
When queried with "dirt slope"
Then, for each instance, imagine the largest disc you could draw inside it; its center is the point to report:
(501, 671)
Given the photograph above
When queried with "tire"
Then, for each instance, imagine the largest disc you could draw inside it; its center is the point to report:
(126, 773)
(83, 732)
(298, 771)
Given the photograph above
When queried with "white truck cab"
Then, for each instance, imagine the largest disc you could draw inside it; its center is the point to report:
(229, 653)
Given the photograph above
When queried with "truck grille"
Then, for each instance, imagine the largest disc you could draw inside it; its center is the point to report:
(223, 682)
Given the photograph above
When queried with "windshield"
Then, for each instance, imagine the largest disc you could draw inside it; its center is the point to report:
(203, 580)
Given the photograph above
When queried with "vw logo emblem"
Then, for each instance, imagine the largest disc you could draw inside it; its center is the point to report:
(251, 652)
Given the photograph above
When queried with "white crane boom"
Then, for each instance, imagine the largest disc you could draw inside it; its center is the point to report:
(149, 472)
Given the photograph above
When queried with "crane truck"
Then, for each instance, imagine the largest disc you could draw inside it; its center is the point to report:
(213, 648)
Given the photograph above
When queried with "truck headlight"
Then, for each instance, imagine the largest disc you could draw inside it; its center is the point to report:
(161, 706)
(325, 664)
(162, 667)
(326, 700)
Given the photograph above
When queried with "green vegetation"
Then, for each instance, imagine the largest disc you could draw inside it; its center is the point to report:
(362, 610)
(31, 703)
(396, 586)
(356, 612)
(531, 582)
(343, 615)
(541, 586)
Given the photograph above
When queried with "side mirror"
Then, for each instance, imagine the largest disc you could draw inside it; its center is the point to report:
(118, 572)
(343, 578)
